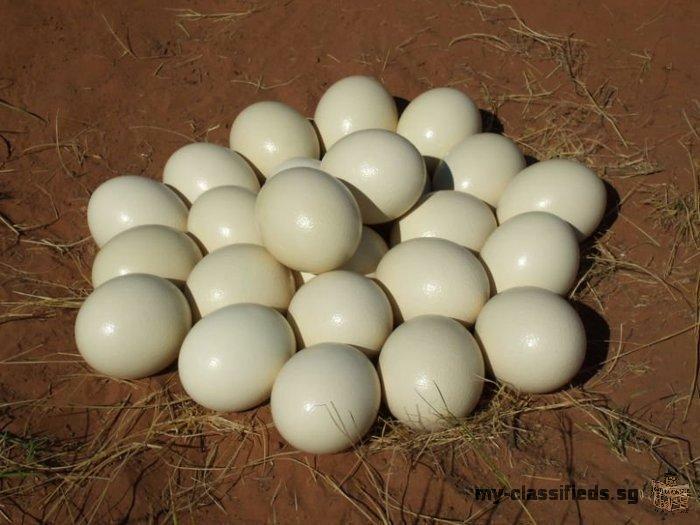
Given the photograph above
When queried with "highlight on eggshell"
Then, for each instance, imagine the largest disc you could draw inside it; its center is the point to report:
(341, 307)
(223, 216)
(240, 273)
(432, 372)
(451, 215)
(308, 220)
(128, 201)
(230, 358)
(153, 249)
(437, 120)
(354, 104)
(269, 133)
(563, 187)
(132, 326)
(383, 170)
(433, 276)
(532, 339)
(325, 398)
(481, 165)
(198, 167)
(532, 249)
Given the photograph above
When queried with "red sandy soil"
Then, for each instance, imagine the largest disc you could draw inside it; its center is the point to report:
(93, 90)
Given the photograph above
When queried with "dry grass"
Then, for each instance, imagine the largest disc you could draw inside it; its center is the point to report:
(160, 432)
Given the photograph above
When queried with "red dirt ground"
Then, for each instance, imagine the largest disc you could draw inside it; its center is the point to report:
(93, 90)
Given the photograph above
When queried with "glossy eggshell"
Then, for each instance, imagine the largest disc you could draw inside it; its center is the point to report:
(451, 215)
(308, 220)
(433, 276)
(438, 120)
(129, 201)
(132, 326)
(432, 372)
(224, 216)
(269, 133)
(325, 398)
(481, 165)
(230, 358)
(384, 171)
(240, 273)
(152, 249)
(532, 339)
(368, 254)
(297, 162)
(532, 249)
(563, 187)
(353, 104)
(196, 168)
(341, 307)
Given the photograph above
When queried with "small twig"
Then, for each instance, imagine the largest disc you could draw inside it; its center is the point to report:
(6, 104)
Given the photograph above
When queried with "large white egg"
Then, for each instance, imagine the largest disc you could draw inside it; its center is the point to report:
(269, 133)
(438, 120)
(566, 188)
(433, 276)
(341, 307)
(128, 201)
(308, 220)
(325, 398)
(240, 273)
(153, 249)
(481, 165)
(132, 326)
(450, 215)
(532, 339)
(353, 104)
(196, 168)
(532, 249)
(368, 254)
(432, 372)
(230, 358)
(297, 162)
(224, 216)
(384, 171)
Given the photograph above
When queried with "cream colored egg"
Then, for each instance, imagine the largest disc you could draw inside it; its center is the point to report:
(368, 254)
(132, 326)
(433, 276)
(128, 201)
(240, 273)
(438, 120)
(230, 358)
(481, 165)
(566, 188)
(384, 171)
(269, 133)
(224, 216)
(152, 249)
(451, 215)
(532, 339)
(353, 104)
(432, 372)
(325, 398)
(196, 168)
(532, 249)
(341, 307)
(297, 162)
(308, 220)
